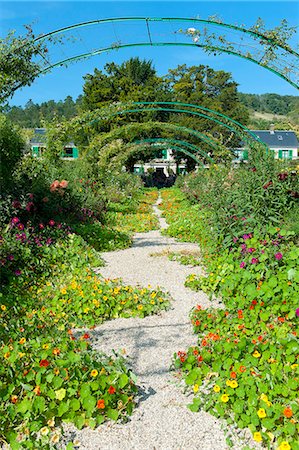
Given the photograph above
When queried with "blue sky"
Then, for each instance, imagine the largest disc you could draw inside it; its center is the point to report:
(46, 16)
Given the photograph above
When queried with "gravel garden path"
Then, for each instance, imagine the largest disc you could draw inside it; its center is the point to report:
(161, 421)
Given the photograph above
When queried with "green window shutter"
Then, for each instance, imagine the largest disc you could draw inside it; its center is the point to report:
(35, 151)
(75, 152)
(245, 155)
(280, 154)
(164, 154)
(290, 154)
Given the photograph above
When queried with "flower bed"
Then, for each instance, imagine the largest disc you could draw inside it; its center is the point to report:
(245, 368)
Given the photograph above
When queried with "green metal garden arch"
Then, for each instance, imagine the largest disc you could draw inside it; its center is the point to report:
(179, 147)
(265, 48)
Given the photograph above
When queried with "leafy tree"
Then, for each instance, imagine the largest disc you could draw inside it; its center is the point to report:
(133, 80)
(212, 89)
(17, 65)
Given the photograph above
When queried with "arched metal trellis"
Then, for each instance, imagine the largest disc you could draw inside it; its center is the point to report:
(132, 148)
(233, 126)
(178, 143)
(268, 49)
(118, 133)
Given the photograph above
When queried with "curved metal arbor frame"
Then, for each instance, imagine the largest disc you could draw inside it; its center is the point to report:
(232, 125)
(212, 36)
(117, 134)
(133, 148)
(166, 142)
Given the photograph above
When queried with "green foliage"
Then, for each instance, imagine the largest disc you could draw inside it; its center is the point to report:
(133, 80)
(17, 65)
(238, 366)
(12, 146)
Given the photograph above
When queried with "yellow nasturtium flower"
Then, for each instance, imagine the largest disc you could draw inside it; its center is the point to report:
(284, 446)
(216, 388)
(195, 388)
(256, 354)
(257, 436)
(224, 398)
(261, 413)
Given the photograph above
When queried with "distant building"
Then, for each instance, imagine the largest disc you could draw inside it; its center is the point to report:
(38, 145)
(283, 144)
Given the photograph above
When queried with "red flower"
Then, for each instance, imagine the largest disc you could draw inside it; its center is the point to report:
(200, 359)
(86, 336)
(44, 363)
(242, 369)
(197, 323)
(233, 375)
(101, 404)
(195, 352)
(111, 390)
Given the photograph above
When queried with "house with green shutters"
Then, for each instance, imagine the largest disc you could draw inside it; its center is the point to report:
(38, 146)
(283, 144)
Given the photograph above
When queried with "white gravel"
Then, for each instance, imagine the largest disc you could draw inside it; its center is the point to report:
(162, 420)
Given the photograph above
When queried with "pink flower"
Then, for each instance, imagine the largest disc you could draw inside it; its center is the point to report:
(254, 261)
(29, 206)
(278, 256)
(15, 220)
(18, 272)
(51, 223)
(297, 312)
(41, 226)
(251, 250)
(20, 226)
(242, 265)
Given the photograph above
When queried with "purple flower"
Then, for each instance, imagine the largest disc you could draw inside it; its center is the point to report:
(242, 265)
(10, 257)
(254, 261)
(251, 250)
(278, 256)
(17, 272)
(15, 220)
(21, 226)
(235, 239)
(263, 251)
(246, 236)
(297, 312)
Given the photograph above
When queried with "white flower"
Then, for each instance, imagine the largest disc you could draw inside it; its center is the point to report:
(44, 431)
(191, 30)
(196, 39)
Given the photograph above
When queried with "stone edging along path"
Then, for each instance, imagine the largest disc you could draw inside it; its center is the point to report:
(161, 420)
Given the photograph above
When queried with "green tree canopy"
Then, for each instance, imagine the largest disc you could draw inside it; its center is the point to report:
(133, 80)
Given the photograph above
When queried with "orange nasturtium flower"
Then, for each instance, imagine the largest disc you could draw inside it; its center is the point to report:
(111, 390)
(22, 340)
(287, 412)
(94, 373)
(261, 413)
(101, 404)
(242, 369)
